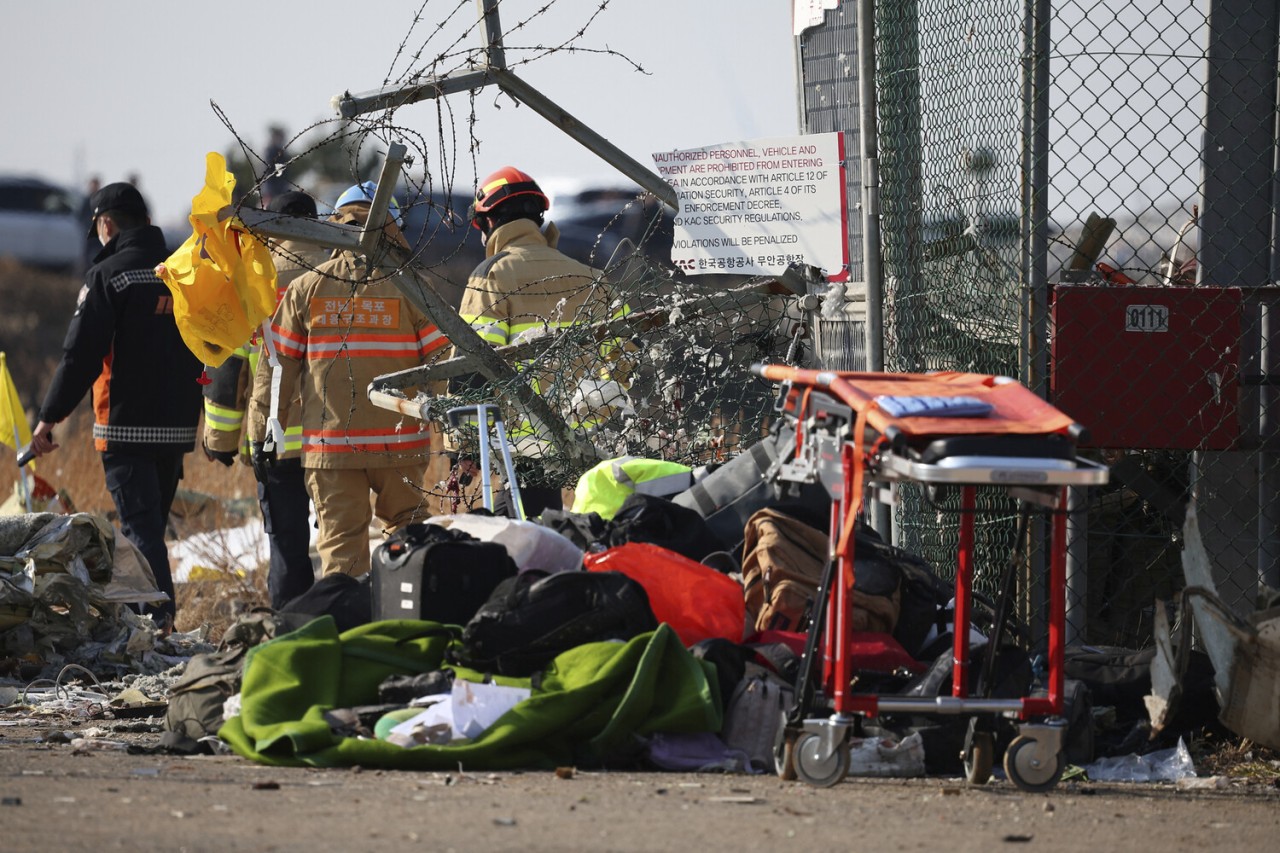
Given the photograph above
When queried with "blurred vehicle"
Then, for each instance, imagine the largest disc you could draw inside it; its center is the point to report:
(40, 224)
(593, 220)
(446, 246)
(436, 226)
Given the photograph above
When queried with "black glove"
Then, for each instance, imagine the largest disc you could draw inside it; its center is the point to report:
(226, 457)
(263, 457)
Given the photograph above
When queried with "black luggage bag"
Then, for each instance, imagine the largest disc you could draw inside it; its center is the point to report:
(425, 571)
(529, 620)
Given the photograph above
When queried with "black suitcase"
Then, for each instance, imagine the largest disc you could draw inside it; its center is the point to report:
(425, 571)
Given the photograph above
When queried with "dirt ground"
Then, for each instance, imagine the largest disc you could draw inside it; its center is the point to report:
(53, 798)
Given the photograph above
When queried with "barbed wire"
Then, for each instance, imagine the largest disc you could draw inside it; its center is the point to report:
(681, 387)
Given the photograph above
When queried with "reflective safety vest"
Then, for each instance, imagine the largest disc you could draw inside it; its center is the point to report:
(603, 488)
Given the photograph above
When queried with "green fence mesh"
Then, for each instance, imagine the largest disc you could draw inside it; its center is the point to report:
(1082, 195)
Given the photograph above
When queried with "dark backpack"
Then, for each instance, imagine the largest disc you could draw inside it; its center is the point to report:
(438, 574)
(1120, 678)
(210, 679)
(587, 530)
(348, 600)
(922, 594)
(529, 620)
(658, 521)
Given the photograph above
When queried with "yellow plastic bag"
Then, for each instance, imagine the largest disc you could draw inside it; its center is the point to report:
(222, 278)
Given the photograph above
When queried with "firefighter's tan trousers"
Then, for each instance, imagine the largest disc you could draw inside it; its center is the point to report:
(341, 497)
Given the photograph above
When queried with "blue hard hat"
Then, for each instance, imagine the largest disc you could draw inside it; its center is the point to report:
(363, 193)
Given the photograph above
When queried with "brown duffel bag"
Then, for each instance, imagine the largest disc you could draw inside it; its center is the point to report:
(783, 558)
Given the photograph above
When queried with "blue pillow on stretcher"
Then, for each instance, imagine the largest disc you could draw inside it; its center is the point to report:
(933, 407)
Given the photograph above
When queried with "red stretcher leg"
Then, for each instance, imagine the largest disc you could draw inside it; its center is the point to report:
(839, 623)
(964, 595)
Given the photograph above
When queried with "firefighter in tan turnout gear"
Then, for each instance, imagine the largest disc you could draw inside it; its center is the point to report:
(526, 287)
(282, 488)
(336, 329)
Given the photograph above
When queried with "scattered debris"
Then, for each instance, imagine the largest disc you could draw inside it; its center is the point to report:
(1203, 784)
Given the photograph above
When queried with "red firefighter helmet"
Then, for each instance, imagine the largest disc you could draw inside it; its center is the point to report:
(505, 184)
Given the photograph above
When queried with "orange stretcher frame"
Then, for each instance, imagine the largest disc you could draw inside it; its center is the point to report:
(880, 446)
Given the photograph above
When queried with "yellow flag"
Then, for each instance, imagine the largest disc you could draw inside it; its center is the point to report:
(222, 278)
(14, 429)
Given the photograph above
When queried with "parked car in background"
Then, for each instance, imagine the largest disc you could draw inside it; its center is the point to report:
(447, 248)
(40, 224)
(594, 219)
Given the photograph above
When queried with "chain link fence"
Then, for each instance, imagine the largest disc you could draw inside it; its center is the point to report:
(1082, 196)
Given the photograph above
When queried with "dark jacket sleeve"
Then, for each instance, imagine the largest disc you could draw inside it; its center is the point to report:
(88, 342)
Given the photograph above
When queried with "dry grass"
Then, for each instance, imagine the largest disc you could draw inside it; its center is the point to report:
(1238, 758)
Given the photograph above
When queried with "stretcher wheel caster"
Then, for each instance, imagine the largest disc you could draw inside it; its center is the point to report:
(784, 751)
(818, 767)
(1031, 766)
(979, 756)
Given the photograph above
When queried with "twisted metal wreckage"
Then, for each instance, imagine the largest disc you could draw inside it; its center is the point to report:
(572, 452)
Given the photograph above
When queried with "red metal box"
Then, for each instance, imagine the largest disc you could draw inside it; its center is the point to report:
(1148, 367)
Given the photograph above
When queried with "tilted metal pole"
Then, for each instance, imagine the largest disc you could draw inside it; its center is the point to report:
(594, 142)
(418, 89)
(380, 206)
(495, 52)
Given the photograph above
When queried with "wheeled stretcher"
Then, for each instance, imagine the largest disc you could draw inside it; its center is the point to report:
(856, 431)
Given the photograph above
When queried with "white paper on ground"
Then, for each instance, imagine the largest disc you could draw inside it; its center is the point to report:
(476, 707)
(470, 709)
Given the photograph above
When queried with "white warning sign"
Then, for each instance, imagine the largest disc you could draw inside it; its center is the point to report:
(756, 207)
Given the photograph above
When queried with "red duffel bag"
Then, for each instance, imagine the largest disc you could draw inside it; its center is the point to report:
(698, 602)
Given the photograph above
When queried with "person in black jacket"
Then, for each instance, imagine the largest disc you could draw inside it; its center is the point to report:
(124, 344)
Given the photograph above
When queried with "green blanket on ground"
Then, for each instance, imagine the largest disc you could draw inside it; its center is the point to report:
(592, 703)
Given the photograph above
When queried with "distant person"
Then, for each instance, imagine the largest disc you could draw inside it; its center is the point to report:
(337, 328)
(91, 244)
(526, 286)
(124, 344)
(282, 488)
(276, 157)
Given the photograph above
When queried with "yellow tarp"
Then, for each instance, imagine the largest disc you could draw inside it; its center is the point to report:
(222, 278)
